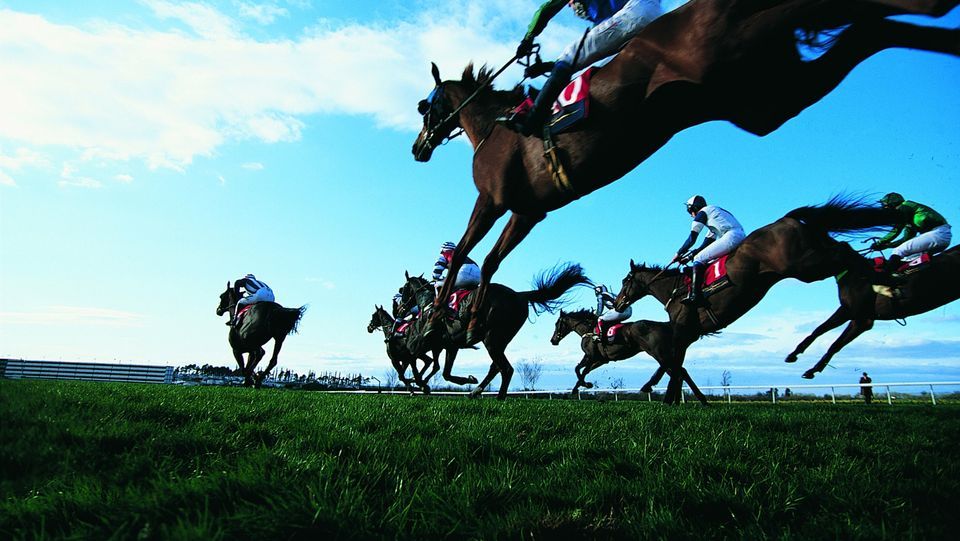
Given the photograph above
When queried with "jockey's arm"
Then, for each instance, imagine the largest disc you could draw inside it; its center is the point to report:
(887, 241)
(707, 241)
(543, 15)
(908, 233)
(698, 225)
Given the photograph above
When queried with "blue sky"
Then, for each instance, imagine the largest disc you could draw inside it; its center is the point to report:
(152, 150)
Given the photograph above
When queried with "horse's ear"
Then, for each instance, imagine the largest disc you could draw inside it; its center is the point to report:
(436, 73)
(406, 275)
(633, 266)
(228, 284)
(561, 312)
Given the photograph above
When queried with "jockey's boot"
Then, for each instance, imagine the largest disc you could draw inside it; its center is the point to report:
(532, 122)
(601, 336)
(695, 296)
(891, 265)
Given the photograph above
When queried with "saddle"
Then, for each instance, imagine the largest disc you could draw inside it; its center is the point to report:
(571, 107)
(612, 332)
(243, 312)
(908, 267)
(715, 277)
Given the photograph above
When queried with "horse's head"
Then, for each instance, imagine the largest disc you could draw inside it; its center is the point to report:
(635, 286)
(417, 290)
(438, 122)
(228, 299)
(378, 320)
(562, 328)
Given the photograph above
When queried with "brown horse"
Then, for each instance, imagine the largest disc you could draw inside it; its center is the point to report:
(652, 337)
(264, 321)
(503, 314)
(734, 60)
(861, 304)
(400, 357)
(798, 246)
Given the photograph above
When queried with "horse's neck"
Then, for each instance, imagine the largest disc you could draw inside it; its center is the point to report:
(386, 321)
(583, 325)
(663, 287)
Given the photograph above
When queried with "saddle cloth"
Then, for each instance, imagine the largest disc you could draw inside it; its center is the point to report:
(243, 311)
(457, 297)
(611, 331)
(907, 267)
(571, 107)
(714, 279)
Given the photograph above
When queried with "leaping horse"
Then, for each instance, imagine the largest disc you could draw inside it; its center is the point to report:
(799, 246)
(262, 322)
(861, 304)
(734, 60)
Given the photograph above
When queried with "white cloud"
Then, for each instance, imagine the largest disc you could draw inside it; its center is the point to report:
(167, 97)
(126, 179)
(6, 180)
(82, 182)
(253, 166)
(58, 315)
(261, 13)
(23, 157)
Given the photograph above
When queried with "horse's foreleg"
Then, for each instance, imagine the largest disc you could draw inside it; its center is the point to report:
(484, 215)
(654, 379)
(693, 386)
(517, 229)
(448, 367)
(581, 370)
(433, 364)
(853, 330)
(834, 321)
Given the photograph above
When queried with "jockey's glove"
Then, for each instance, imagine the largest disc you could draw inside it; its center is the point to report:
(525, 47)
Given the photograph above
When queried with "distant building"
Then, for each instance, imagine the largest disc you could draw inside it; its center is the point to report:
(132, 373)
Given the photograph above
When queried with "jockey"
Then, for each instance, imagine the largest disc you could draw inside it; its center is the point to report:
(724, 233)
(467, 278)
(924, 230)
(253, 291)
(607, 315)
(614, 23)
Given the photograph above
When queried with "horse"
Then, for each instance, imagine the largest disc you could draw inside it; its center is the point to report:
(861, 303)
(799, 245)
(263, 321)
(400, 357)
(503, 313)
(733, 60)
(651, 337)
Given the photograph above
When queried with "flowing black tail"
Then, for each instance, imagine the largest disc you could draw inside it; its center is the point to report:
(550, 286)
(287, 320)
(846, 215)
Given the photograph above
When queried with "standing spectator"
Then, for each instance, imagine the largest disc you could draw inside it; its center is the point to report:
(865, 388)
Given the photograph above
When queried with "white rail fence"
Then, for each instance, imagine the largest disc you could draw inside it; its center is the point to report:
(62, 370)
(726, 391)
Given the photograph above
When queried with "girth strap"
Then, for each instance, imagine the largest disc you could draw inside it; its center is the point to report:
(557, 172)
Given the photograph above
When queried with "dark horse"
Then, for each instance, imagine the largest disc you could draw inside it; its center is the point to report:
(861, 304)
(400, 357)
(264, 320)
(652, 337)
(734, 60)
(503, 314)
(798, 246)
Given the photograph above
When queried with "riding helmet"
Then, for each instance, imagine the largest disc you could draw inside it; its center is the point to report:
(695, 203)
(891, 200)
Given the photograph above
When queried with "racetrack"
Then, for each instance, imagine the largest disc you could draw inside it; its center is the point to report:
(100, 460)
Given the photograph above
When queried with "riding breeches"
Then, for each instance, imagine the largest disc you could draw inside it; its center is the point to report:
(932, 241)
(264, 294)
(467, 278)
(608, 37)
(612, 316)
(720, 247)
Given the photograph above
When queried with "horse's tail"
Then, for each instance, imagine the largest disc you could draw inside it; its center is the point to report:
(844, 214)
(287, 320)
(550, 286)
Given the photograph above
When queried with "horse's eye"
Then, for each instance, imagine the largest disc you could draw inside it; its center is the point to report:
(423, 107)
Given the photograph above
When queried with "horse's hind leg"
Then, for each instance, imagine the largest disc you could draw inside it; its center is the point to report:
(581, 370)
(448, 369)
(654, 379)
(838, 318)
(277, 344)
(853, 330)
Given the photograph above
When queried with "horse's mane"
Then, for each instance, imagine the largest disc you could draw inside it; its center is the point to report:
(644, 266)
(582, 313)
(482, 78)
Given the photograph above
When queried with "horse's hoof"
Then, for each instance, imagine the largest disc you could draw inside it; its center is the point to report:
(646, 389)
(474, 394)
(792, 358)
(588, 385)
(808, 374)
(472, 380)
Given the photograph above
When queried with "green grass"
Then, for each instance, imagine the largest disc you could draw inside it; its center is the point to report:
(118, 461)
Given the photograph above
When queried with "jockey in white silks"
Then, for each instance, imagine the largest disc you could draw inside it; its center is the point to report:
(252, 291)
(615, 22)
(467, 278)
(724, 233)
(607, 315)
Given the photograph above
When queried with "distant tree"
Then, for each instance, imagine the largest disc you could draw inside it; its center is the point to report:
(616, 383)
(726, 379)
(390, 379)
(530, 372)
